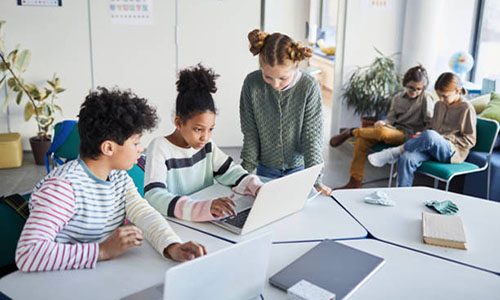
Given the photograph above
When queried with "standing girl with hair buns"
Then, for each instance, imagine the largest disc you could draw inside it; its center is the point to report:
(187, 160)
(280, 110)
(452, 133)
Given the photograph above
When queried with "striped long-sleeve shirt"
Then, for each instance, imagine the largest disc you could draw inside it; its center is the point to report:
(173, 172)
(71, 211)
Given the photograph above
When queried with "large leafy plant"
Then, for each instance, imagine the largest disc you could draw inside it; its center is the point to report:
(40, 99)
(370, 89)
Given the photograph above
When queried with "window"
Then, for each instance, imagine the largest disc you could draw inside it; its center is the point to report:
(487, 41)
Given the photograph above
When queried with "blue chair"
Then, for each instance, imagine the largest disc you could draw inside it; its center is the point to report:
(487, 132)
(65, 144)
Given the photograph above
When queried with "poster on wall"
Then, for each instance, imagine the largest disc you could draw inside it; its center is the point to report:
(131, 12)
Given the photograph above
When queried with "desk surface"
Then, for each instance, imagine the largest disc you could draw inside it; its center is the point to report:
(322, 218)
(405, 275)
(137, 269)
(402, 223)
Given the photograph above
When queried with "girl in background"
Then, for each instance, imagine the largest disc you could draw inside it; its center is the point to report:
(187, 160)
(410, 112)
(280, 110)
(452, 133)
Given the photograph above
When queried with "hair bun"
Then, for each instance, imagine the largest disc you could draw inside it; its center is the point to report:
(257, 40)
(197, 78)
(298, 52)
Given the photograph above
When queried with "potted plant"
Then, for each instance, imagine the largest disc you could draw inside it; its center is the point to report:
(40, 99)
(370, 89)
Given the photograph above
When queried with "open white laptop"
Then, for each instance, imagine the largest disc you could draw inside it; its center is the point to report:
(276, 199)
(222, 275)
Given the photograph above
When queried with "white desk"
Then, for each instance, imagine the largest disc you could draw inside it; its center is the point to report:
(137, 269)
(405, 275)
(402, 223)
(322, 218)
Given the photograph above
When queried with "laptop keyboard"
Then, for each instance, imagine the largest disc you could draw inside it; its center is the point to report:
(238, 220)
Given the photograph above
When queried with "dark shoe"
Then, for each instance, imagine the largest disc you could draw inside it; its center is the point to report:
(340, 138)
(352, 184)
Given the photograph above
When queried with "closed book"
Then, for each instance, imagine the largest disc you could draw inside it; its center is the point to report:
(442, 230)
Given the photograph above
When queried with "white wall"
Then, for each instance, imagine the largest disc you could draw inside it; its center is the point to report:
(288, 17)
(138, 57)
(218, 39)
(59, 40)
(81, 44)
(363, 27)
(433, 32)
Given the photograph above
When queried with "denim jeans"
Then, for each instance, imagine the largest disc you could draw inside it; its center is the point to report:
(429, 145)
(275, 173)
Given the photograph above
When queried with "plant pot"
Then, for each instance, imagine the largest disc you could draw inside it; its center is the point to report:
(39, 147)
(368, 121)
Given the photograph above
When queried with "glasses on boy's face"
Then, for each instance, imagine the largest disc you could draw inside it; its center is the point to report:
(414, 89)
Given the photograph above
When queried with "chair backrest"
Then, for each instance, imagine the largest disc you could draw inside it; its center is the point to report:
(65, 143)
(486, 135)
(137, 175)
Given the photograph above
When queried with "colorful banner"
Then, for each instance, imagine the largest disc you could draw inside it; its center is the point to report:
(133, 12)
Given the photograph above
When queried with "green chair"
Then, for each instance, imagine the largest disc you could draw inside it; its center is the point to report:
(486, 133)
(137, 174)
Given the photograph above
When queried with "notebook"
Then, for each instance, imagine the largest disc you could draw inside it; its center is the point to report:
(222, 275)
(332, 266)
(442, 230)
(276, 199)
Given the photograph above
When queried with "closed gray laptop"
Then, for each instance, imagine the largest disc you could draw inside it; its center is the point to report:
(332, 266)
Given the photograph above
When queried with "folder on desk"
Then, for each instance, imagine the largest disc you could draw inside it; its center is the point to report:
(332, 266)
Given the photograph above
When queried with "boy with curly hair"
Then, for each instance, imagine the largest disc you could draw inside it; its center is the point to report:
(77, 211)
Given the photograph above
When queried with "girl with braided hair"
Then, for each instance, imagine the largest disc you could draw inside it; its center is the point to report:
(280, 110)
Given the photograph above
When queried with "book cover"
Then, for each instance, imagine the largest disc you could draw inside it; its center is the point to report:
(442, 230)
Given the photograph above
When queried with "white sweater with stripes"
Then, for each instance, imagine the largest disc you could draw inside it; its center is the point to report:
(71, 211)
(172, 173)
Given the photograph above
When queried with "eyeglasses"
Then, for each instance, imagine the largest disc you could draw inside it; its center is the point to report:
(413, 89)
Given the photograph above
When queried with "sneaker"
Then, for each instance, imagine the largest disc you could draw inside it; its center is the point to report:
(386, 156)
(340, 138)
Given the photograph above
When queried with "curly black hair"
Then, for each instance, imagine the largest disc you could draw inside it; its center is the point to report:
(195, 87)
(112, 115)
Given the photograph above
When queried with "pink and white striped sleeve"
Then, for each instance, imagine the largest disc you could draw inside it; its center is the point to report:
(193, 210)
(52, 206)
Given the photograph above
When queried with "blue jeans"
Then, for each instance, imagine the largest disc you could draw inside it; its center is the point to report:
(429, 145)
(275, 173)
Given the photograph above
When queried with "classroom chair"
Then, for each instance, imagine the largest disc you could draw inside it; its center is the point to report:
(65, 144)
(487, 132)
(137, 174)
(379, 147)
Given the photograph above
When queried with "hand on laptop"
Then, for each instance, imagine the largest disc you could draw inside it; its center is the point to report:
(223, 207)
(123, 238)
(185, 251)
